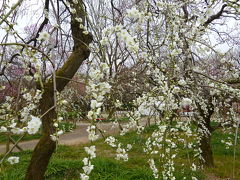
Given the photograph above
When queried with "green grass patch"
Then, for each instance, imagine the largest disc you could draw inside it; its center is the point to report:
(3, 137)
(66, 162)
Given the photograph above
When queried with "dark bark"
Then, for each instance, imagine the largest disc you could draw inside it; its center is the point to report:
(205, 146)
(45, 147)
(205, 142)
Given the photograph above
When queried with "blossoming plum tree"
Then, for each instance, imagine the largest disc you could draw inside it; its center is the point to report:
(172, 39)
(168, 38)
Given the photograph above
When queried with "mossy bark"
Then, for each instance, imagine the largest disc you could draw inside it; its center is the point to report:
(46, 146)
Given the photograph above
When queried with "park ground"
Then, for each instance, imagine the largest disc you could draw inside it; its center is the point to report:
(66, 162)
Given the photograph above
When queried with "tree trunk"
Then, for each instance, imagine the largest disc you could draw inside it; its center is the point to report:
(205, 142)
(205, 146)
(46, 146)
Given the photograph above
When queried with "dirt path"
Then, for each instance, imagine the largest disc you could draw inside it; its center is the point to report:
(78, 136)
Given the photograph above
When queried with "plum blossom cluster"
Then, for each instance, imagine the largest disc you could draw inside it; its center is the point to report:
(96, 90)
(72, 8)
(61, 104)
(131, 42)
(153, 167)
(92, 135)
(33, 125)
(23, 120)
(18, 115)
(44, 36)
(87, 166)
(121, 153)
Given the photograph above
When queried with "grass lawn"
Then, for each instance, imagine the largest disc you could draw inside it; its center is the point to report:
(3, 137)
(66, 163)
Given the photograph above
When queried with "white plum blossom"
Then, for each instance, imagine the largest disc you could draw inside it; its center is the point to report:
(129, 147)
(3, 129)
(60, 118)
(186, 102)
(75, 1)
(84, 176)
(194, 167)
(60, 132)
(44, 36)
(133, 13)
(72, 10)
(87, 169)
(17, 130)
(85, 161)
(91, 115)
(79, 19)
(182, 82)
(95, 104)
(104, 67)
(55, 124)
(154, 168)
(13, 160)
(34, 125)
(121, 153)
(53, 137)
(92, 136)
(91, 151)
(111, 141)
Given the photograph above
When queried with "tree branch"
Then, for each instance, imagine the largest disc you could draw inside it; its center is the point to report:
(215, 16)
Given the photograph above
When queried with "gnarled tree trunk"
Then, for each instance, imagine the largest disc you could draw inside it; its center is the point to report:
(46, 146)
